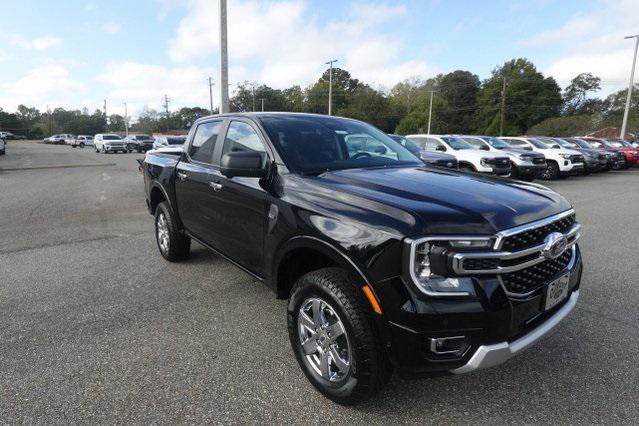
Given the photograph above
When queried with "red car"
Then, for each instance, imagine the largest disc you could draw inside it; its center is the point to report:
(629, 154)
(629, 151)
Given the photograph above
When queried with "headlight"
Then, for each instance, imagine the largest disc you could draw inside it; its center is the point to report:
(429, 266)
(566, 156)
(524, 157)
(484, 162)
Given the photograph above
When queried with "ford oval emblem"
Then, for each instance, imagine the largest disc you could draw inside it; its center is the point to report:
(554, 245)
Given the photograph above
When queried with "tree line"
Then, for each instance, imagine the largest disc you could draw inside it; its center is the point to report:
(516, 99)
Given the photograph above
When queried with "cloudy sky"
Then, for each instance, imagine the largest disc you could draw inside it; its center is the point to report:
(75, 53)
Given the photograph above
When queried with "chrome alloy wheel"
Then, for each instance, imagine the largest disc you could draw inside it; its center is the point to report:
(162, 229)
(324, 340)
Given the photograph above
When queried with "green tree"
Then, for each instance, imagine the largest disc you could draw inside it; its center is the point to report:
(530, 99)
(576, 94)
(458, 90)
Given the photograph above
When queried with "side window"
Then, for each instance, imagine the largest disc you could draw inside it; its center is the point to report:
(241, 137)
(204, 140)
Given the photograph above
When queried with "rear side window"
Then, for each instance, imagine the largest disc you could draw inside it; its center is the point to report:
(204, 141)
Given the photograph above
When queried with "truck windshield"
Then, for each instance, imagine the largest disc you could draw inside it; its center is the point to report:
(176, 140)
(457, 143)
(497, 143)
(313, 145)
(111, 137)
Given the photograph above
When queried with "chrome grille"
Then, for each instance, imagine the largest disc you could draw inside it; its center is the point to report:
(535, 236)
(577, 158)
(532, 278)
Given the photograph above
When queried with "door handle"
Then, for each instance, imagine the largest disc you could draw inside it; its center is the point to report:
(216, 186)
(182, 176)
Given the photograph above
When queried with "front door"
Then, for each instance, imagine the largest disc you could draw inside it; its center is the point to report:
(193, 183)
(240, 203)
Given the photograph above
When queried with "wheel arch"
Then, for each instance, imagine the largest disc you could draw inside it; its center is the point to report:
(303, 254)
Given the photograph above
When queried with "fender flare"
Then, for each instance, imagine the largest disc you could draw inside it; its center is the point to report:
(317, 244)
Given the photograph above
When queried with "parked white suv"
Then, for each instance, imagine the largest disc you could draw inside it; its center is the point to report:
(81, 141)
(559, 161)
(60, 139)
(109, 142)
(469, 158)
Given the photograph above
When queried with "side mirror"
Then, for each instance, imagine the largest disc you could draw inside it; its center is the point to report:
(380, 150)
(440, 148)
(243, 164)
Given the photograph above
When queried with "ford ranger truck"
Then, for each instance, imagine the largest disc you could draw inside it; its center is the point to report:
(388, 264)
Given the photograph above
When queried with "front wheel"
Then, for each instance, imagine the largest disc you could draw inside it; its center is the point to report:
(81, 144)
(331, 333)
(172, 242)
(551, 172)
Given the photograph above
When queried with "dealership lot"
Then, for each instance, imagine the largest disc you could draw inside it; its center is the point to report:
(96, 326)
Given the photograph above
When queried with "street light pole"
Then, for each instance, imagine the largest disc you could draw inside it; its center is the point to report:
(262, 99)
(632, 78)
(224, 64)
(211, 93)
(430, 111)
(126, 120)
(330, 86)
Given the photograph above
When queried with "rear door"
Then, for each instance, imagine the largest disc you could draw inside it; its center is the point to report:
(240, 203)
(195, 174)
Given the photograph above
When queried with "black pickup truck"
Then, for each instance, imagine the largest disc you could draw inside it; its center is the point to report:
(387, 263)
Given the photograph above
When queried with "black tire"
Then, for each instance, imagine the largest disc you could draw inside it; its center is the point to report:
(179, 245)
(369, 368)
(552, 171)
(81, 144)
(139, 149)
(73, 146)
(2, 152)
(466, 168)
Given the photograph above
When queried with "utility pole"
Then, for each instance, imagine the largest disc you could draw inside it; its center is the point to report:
(262, 99)
(49, 114)
(106, 119)
(253, 93)
(430, 111)
(503, 107)
(166, 109)
(211, 84)
(632, 78)
(126, 120)
(330, 86)
(224, 64)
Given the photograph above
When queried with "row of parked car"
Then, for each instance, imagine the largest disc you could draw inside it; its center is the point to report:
(522, 157)
(111, 142)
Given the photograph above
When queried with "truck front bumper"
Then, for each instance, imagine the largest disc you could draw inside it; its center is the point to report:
(491, 355)
(495, 325)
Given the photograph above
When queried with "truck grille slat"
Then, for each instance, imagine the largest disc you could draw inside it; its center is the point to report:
(536, 236)
(534, 277)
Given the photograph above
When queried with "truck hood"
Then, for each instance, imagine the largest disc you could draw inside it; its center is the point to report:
(432, 201)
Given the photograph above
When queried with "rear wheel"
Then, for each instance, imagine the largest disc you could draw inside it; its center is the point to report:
(81, 144)
(173, 244)
(551, 172)
(331, 333)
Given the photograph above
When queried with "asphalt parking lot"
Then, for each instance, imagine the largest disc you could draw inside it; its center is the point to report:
(96, 327)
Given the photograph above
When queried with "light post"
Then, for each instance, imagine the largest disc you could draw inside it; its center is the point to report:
(632, 78)
(224, 64)
(126, 120)
(330, 86)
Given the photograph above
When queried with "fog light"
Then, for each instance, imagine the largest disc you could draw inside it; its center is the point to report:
(455, 345)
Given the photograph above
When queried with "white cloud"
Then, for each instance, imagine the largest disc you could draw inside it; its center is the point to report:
(145, 84)
(111, 27)
(594, 43)
(50, 85)
(38, 43)
(285, 44)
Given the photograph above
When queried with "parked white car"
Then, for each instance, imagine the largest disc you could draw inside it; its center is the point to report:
(109, 142)
(559, 161)
(162, 140)
(3, 146)
(469, 158)
(60, 139)
(81, 141)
